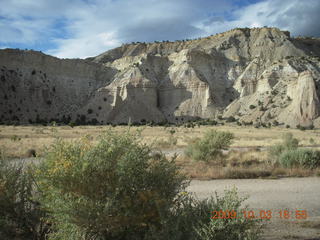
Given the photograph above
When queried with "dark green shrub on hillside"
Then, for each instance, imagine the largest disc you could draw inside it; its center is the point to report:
(303, 128)
(210, 146)
(230, 119)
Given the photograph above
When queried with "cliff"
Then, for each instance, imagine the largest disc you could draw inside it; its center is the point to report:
(260, 75)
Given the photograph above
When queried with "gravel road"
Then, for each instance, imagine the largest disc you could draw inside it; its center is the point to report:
(282, 194)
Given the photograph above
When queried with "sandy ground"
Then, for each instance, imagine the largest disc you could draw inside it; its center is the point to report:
(276, 195)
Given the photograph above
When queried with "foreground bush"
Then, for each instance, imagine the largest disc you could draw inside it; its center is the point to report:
(20, 214)
(116, 189)
(228, 229)
(191, 220)
(210, 146)
(112, 190)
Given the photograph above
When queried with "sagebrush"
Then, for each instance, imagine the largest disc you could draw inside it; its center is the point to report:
(210, 146)
(288, 155)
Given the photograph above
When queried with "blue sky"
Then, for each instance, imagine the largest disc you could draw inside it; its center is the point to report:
(83, 28)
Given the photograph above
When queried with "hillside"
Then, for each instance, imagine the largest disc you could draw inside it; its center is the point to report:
(259, 75)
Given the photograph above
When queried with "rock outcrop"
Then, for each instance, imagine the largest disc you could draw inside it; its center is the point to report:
(259, 75)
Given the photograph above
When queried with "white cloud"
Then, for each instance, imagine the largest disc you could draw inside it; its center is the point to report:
(82, 28)
(85, 46)
(299, 17)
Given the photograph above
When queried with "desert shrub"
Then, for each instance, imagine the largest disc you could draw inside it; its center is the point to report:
(305, 158)
(114, 189)
(231, 119)
(15, 138)
(72, 124)
(31, 153)
(189, 125)
(303, 128)
(192, 219)
(252, 106)
(20, 214)
(288, 143)
(236, 228)
(210, 146)
(311, 141)
(208, 122)
(288, 155)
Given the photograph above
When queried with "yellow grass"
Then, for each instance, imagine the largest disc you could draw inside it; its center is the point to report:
(249, 164)
(16, 140)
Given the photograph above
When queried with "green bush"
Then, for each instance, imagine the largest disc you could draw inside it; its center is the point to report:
(288, 143)
(288, 155)
(192, 219)
(305, 158)
(210, 146)
(114, 189)
(20, 214)
(231, 119)
(237, 228)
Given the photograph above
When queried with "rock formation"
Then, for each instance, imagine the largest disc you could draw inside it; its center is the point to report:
(259, 75)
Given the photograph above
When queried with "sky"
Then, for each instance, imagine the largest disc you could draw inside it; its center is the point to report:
(85, 28)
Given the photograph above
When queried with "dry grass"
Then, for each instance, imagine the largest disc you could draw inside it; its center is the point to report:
(240, 165)
(18, 140)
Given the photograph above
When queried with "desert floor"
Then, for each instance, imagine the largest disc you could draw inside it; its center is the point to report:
(246, 158)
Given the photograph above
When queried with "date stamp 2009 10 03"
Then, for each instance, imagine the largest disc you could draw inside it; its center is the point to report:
(262, 214)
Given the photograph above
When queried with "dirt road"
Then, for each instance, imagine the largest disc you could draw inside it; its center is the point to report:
(276, 195)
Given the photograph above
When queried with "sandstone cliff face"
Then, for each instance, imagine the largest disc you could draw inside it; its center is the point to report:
(258, 75)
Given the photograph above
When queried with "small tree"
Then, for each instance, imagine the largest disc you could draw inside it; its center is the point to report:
(210, 146)
(288, 143)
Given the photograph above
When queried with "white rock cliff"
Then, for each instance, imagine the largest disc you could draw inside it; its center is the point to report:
(259, 75)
